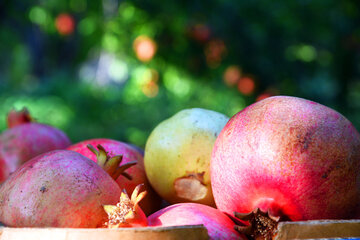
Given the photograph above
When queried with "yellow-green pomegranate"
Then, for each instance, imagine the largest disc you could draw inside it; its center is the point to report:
(178, 152)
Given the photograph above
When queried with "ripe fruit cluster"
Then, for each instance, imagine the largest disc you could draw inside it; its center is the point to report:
(281, 158)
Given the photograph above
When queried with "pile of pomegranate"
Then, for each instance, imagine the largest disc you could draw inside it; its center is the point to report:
(280, 159)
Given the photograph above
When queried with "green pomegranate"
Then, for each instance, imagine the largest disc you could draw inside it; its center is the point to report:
(178, 152)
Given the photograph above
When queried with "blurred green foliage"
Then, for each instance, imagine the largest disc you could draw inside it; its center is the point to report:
(117, 68)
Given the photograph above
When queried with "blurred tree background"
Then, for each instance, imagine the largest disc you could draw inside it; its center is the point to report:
(117, 68)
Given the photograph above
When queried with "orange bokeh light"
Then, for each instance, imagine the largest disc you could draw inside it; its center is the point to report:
(263, 96)
(150, 89)
(200, 32)
(214, 52)
(65, 24)
(145, 48)
(152, 75)
(246, 85)
(269, 92)
(232, 75)
(150, 86)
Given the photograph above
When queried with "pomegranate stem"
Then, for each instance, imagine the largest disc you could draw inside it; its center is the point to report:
(15, 118)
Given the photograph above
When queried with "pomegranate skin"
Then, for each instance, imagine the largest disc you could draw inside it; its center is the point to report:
(152, 201)
(25, 141)
(218, 224)
(292, 157)
(57, 189)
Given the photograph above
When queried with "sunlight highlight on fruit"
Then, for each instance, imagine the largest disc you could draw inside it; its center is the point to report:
(246, 85)
(65, 24)
(145, 48)
(232, 75)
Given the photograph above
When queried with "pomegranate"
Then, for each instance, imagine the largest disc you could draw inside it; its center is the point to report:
(177, 155)
(60, 188)
(218, 224)
(127, 213)
(286, 158)
(152, 201)
(26, 139)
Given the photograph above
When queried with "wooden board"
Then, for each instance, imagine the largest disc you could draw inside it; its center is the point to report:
(193, 232)
(321, 229)
(318, 229)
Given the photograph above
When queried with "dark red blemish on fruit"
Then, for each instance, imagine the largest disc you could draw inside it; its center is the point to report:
(43, 189)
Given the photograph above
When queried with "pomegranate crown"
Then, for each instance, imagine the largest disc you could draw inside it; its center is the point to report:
(111, 164)
(15, 118)
(126, 211)
(261, 225)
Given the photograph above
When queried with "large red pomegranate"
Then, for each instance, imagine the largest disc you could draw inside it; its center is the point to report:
(60, 188)
(218, 224)
(129, 153)
(26, 139)
(57, 189)
(290, 157)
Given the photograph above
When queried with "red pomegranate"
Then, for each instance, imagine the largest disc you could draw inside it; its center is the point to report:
(60, 188)
(287, 157)
(152, 201)
(218, 224)
(26, 139)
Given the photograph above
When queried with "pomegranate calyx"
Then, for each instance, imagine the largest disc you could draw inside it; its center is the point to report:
(191, 186)
(111, 164)
(197, 176)
(15, 118)
(136, 197)
(262, 225)
(126, 212)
